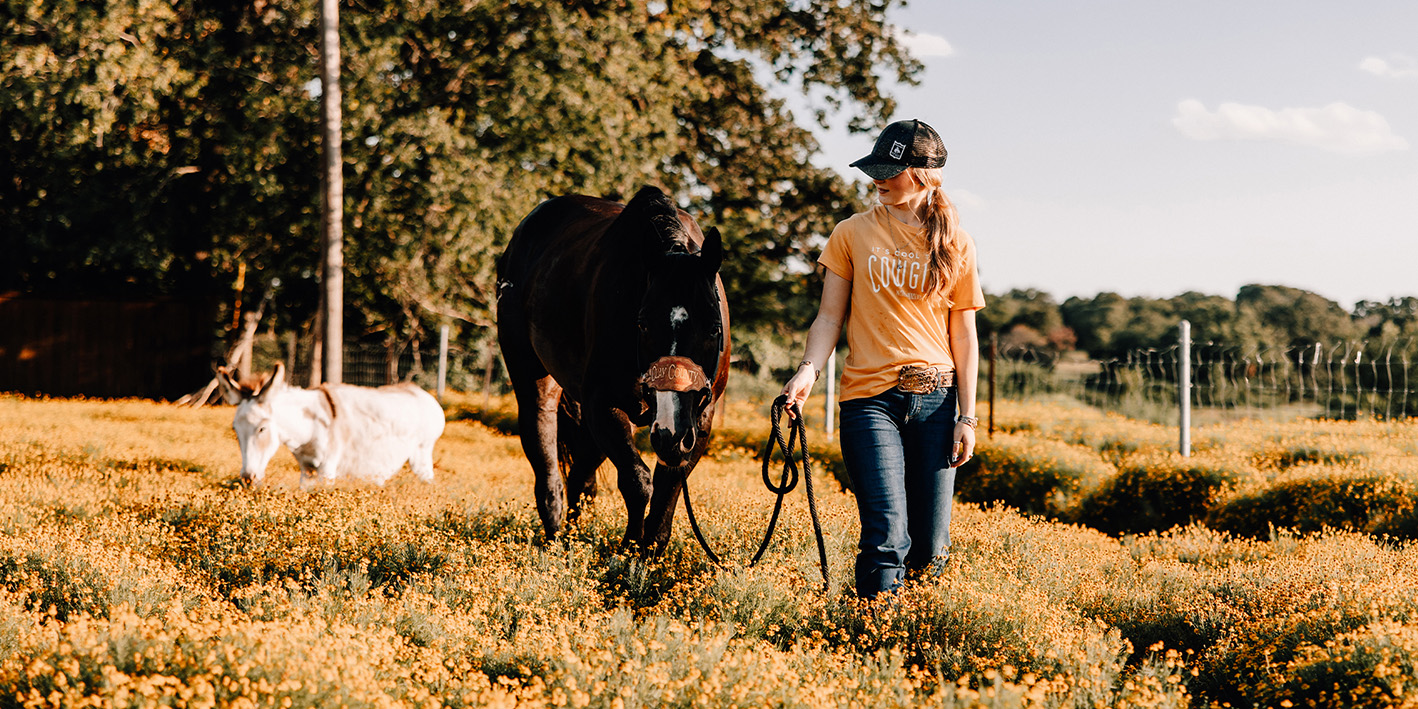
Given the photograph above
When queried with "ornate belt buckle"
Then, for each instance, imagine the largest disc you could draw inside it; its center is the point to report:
(918, 380)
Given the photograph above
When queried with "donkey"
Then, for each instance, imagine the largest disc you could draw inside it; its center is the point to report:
(333, 430)
(613, 317)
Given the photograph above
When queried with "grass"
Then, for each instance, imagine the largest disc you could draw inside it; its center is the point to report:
(133, 572)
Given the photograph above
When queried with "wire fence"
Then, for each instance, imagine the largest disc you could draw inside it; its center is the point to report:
(1335, 380)
(466, 369)
(1331, 380)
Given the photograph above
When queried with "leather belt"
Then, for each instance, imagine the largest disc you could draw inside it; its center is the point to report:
(923, 380)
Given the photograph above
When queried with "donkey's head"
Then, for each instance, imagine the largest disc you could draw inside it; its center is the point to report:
(681, 328)
(255, 422)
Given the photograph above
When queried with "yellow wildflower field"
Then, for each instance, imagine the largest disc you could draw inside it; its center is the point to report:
(135, 571)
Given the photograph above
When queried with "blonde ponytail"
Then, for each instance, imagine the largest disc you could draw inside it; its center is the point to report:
(947, 246)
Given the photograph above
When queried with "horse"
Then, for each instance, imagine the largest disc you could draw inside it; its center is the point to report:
(332, 430)
(611, 318)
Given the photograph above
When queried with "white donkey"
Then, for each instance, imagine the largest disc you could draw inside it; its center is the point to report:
(333, 430)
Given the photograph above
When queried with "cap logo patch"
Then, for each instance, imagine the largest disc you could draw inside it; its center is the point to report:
(897, 150)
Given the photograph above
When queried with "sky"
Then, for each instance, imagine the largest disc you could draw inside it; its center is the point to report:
(1154, 148)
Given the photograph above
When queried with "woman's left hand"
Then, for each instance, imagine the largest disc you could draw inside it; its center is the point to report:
(964, 445)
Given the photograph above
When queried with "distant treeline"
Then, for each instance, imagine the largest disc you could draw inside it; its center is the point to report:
(1109, 325)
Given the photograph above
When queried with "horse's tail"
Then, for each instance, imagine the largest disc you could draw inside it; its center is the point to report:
(566, 427)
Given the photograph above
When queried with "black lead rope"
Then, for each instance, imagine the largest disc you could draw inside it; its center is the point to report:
(797, 438)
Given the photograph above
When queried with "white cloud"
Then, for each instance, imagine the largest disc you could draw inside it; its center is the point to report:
(1338, 127)
(922, 45)
(1397, 66)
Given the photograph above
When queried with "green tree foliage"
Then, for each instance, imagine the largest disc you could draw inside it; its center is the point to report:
(1026, 318)
(156, 148)
(1397, 318)
(1109, 325)
(1293, 317)
(152, 146)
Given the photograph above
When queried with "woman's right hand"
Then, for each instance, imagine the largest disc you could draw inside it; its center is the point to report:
(798, 388)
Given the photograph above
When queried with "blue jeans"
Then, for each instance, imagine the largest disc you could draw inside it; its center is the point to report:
(896, 447)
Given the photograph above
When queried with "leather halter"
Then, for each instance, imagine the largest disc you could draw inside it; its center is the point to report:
(674, 374)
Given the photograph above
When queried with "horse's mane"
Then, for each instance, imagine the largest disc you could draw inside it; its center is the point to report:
(653, 209)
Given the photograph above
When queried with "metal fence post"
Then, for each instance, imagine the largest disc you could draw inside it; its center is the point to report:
(994, 352)
(1184, 389)
(831, 392)
(442, 360)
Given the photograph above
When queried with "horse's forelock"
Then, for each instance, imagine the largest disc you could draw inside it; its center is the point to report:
(660, 214)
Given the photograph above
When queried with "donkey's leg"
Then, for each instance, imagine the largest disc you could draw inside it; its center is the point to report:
(580, 456)
(421, 462)
(615, 435)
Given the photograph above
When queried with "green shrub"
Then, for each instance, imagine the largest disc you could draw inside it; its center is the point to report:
(1035, 475)
(1154, 496)
(1375, 666)
(1372, 503)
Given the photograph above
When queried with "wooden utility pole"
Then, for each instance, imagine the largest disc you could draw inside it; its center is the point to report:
(332, 270)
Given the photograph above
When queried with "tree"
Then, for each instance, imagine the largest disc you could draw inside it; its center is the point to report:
(1291, 317)
(1398, 317)
(165, 149)
(1096, 321)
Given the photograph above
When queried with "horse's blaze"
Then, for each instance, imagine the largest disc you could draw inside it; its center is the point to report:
(674, 374)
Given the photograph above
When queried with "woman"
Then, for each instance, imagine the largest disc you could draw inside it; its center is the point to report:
(902, 275)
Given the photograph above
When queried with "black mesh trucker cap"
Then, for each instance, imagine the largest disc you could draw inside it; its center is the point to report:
(901, 145)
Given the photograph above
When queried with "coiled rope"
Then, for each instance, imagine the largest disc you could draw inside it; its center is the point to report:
(797, 438)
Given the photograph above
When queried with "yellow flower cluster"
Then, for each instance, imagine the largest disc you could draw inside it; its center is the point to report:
(134, 571)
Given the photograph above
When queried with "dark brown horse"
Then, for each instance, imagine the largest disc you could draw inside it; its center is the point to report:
(613, 317)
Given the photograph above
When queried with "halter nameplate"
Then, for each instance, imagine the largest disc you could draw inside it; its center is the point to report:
(674, 374)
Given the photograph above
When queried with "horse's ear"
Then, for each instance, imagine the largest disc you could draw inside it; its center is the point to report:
(277, 380)
(712, 251)
(231, 391)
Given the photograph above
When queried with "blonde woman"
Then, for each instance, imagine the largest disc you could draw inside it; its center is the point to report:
(902, 277)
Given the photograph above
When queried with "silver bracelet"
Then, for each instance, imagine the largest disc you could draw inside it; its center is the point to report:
(970, 421)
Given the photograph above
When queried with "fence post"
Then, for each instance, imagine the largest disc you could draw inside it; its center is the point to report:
(442, 359)
(994, 349)
(831, 392)
(1184, 389)
(290, 353)
(487, 377)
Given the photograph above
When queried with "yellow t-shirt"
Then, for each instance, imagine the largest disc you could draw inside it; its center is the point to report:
(891, 322)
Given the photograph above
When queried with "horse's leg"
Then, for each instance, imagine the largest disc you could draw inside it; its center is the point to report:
(580, 457)
(536, 422)
(615, 435)
(668, 484)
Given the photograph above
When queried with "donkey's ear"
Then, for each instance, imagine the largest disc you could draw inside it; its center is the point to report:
(277, 380)
(712, 251)
(231, 391)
